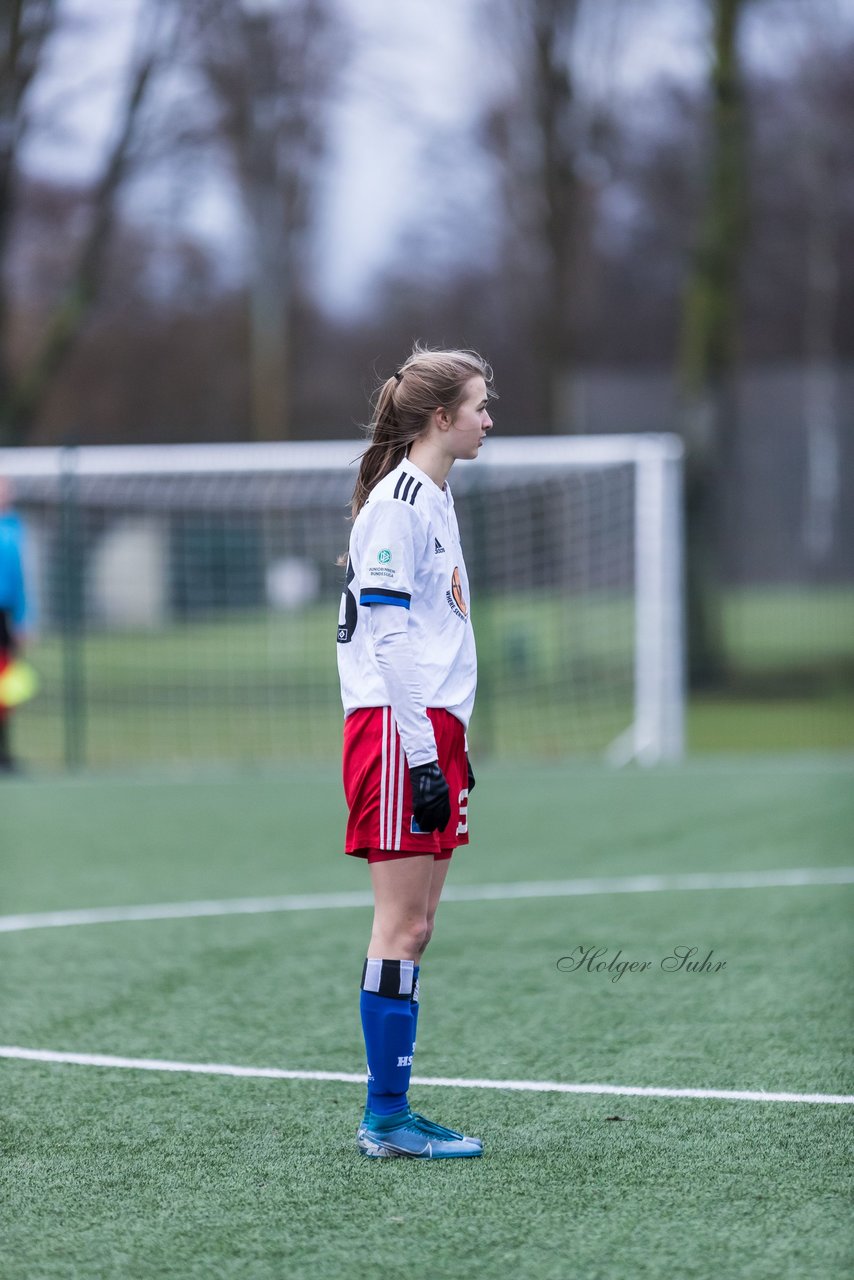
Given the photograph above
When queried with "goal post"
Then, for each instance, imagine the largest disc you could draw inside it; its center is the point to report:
(657, 732)
(186, 596)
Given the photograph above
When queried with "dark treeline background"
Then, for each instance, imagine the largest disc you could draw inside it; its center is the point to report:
(676, 257)
(593, 230)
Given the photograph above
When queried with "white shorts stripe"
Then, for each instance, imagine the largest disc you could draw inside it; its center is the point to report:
(390, 779)
(401, 771)
(383, 784)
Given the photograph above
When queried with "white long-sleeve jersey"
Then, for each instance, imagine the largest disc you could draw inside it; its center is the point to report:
(406, 562)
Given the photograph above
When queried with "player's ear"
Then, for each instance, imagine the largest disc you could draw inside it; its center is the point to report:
(442, 418)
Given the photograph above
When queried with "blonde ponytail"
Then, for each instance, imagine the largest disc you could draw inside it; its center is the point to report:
(388, 446)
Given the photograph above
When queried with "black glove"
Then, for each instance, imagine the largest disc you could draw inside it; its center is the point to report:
(431, 802)
(471, 775)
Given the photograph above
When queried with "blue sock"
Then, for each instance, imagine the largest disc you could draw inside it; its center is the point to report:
(388, 1024)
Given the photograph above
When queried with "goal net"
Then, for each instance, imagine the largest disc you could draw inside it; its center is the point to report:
(185, 599)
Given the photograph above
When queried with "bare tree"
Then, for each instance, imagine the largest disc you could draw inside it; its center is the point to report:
(26, 25)
(533, 134)
(271, 68)
(22, 396)
(709, 344)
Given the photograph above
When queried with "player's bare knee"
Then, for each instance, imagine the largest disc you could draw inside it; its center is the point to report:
(420, 936)
(407, 938)
(412, 937)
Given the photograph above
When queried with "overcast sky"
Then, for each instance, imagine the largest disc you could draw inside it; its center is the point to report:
(413, 80)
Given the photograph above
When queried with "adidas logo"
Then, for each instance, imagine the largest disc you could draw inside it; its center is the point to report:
(440, 550)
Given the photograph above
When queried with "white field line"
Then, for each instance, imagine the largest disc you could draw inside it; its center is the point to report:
(796, 878)
(445, 1082)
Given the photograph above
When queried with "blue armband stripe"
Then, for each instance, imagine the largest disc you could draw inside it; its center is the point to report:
(377, 595)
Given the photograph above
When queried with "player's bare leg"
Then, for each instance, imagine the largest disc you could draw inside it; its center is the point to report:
(402, 898)
(437, 884)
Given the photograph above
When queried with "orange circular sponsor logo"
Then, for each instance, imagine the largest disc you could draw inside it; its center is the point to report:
(457, 592)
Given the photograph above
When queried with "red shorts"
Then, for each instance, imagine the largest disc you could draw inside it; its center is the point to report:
(379, 797)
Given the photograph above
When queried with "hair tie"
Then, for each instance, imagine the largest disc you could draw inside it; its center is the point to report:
(398, 375)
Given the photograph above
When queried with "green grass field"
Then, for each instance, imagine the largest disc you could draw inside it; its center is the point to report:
(125, 1174)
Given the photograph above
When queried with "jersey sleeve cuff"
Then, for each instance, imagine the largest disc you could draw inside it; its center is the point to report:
(382, 595)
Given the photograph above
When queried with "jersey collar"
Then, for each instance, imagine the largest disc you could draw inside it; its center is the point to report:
(445, 490)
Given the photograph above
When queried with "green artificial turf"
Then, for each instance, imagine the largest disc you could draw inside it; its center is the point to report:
(136, 1174)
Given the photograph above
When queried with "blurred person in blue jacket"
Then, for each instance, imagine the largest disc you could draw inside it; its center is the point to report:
(13, 605)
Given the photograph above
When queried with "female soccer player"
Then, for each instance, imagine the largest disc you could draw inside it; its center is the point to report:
(406, 659)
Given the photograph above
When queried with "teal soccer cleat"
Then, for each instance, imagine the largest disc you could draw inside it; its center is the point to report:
(414, 1136)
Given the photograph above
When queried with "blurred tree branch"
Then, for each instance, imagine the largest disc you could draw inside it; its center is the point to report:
(548, 145)
(271, 68)
(21, 397)
(708, 346)
(26, 24)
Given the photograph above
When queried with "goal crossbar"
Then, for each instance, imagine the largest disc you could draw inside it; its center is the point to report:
(321, 455)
